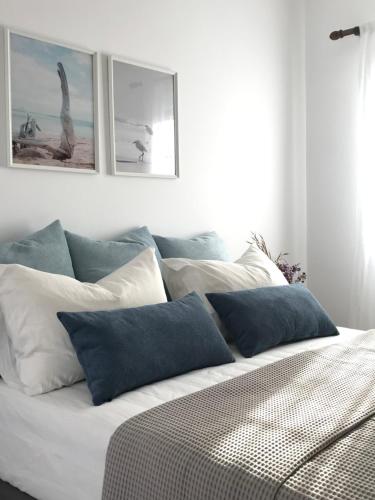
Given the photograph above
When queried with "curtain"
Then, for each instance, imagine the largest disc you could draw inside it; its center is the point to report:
(362, 314)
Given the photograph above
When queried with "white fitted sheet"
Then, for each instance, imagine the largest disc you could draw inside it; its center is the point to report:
(53, 446)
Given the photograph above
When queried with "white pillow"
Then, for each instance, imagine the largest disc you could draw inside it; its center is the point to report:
(29, 300)
(254, 269)
(7, 361)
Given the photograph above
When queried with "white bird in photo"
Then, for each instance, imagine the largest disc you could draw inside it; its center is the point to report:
(142, 148)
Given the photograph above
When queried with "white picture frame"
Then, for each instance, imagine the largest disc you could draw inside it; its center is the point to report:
(137, 122)
(89, 147)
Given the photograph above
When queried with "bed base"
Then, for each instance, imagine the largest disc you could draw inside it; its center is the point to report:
(9, 492)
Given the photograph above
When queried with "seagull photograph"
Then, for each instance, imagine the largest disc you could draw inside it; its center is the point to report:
(143, 108)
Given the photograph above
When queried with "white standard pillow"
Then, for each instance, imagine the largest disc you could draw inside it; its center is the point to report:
(7, 362)
(254, 269)
(29, 300)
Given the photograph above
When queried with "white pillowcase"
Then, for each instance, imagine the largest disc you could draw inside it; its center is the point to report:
(29, 300)
(7, 361)
(254, 269)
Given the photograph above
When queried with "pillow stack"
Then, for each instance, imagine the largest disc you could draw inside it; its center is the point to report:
(128, 334)
(30, 300)
(74, 308)
(46, 250)
(254, 269)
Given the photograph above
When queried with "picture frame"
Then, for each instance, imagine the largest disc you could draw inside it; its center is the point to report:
(143, 114)
(55, 126)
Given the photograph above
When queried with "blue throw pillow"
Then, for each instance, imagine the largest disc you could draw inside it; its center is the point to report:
(128, 348)
(262, 318)
(208, 246)
(93, 259)
(45, 250)
(140, 235)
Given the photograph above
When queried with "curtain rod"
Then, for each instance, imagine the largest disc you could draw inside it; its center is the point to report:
(336, 35)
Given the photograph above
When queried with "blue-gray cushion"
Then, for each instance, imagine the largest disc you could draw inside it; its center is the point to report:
(93, 259)
(140, 235)
(262, 318)
(207, 246)
(45, 250)
(128, 348)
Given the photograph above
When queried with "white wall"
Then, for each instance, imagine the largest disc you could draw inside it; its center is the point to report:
(239, 63)
(332, 85)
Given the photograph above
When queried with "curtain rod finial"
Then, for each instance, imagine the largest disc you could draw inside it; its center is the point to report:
(336, 35)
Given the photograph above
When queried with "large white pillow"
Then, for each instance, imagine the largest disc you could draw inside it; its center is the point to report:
(7, 361)
(254, 269)
(29, 300)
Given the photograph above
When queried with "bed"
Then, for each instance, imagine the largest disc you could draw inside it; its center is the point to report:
(54, 445)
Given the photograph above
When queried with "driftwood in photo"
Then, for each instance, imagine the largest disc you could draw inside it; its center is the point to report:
(27, 134)
(68, 138)
(40, 144)
(29, 153)
(29, 128)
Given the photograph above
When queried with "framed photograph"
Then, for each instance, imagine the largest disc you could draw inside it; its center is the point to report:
(143, 116)
(51, 106)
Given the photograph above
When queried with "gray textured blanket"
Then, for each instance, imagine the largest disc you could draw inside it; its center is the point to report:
(300, 428)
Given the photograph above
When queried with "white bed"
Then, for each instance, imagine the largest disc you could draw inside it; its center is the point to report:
(53, 446)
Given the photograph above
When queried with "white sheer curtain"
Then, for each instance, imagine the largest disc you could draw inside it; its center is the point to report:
(362, 314)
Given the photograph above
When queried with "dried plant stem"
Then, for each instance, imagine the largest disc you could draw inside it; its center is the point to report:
(292, 272)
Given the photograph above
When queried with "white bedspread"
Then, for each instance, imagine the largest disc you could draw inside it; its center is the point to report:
(53, 446)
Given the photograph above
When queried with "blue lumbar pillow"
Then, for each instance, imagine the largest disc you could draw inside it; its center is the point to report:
(93, 259)
(128, 348)
(45, 250)
(207, 246)
(262, 318)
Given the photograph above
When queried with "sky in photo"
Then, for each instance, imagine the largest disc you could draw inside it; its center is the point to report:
(35, 84)
(142, 95)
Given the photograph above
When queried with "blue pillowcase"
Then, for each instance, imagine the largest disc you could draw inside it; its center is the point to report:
(92, 259)
(45, 250)
(128, 348)
(262, 318)
(207, 246)
(140, 235)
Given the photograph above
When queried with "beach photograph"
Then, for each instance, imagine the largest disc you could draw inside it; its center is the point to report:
(52, 105)
(143, 109)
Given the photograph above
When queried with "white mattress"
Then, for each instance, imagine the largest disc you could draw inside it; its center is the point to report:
(53, 446)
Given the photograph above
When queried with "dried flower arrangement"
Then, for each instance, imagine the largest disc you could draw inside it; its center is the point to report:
(292, 272)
